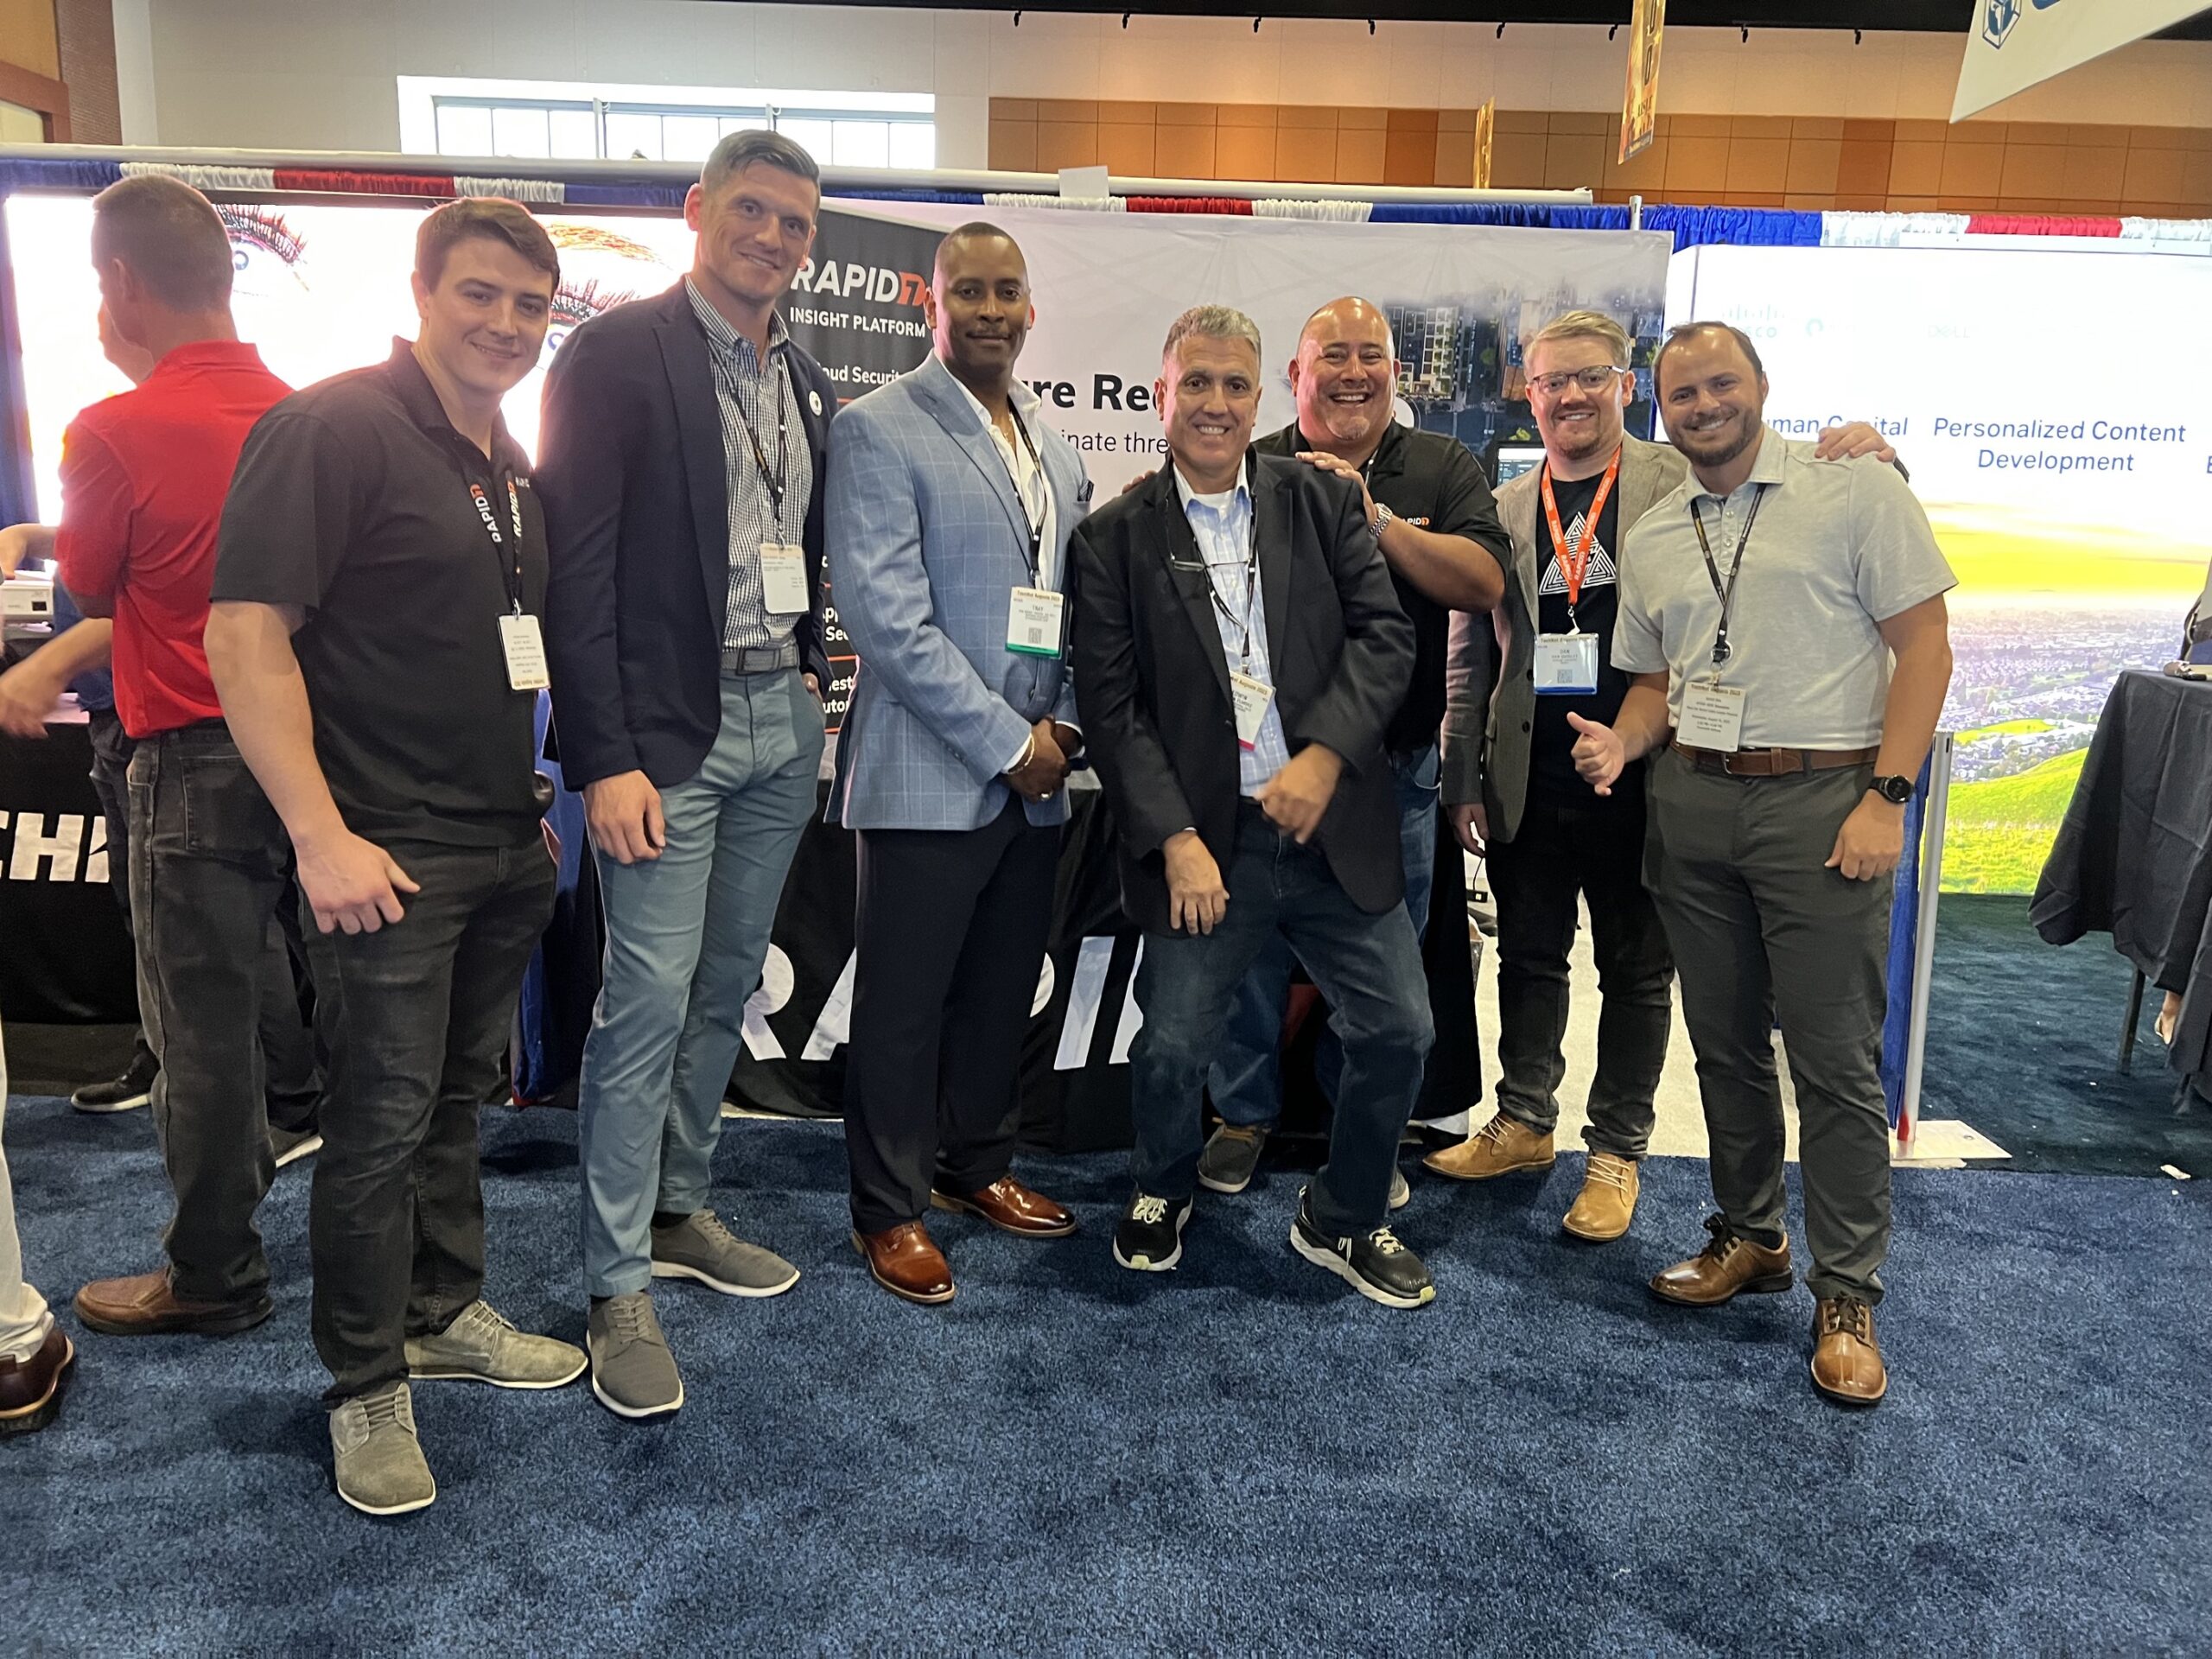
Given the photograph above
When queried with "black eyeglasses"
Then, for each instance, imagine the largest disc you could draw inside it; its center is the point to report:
(1596, 377)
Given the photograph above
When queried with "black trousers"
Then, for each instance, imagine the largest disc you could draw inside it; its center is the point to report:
(209, 864)
(294, 1067)
(416, 1016)
(950, 931)
(1561, 853)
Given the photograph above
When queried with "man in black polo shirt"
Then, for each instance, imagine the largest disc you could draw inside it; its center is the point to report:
(1431, 509)
(375, 643)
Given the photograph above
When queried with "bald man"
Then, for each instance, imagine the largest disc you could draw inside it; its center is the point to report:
(1432, 512)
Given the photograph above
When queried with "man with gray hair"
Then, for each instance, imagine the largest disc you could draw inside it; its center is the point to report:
(1238, 654)
(681, 469)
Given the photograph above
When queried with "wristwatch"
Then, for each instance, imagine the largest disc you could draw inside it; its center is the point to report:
(1380, 521)
(1896, 790)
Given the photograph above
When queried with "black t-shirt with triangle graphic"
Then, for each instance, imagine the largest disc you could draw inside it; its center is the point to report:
(1552, 776)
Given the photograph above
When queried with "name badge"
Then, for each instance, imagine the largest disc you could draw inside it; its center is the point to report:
(1033, 621)
(783, 578)
(525, 651)
(1251, 697)
(1712, 717)
(1566, 663)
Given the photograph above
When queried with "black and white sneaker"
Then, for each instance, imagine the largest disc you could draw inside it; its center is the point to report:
(134, 1089)
(1374, 1264)
(1150, 1236)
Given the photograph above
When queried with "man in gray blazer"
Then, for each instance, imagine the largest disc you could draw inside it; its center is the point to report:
(949, 506)
(1518, 679)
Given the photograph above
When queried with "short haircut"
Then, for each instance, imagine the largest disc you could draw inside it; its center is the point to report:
(492, 218)
(170, 238)
(739, 150)
(1211, 322)
(1583, 325)
(1390, 334)
(975, 229)
(1683, 331)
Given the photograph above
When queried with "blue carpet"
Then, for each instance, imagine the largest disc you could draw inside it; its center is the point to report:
(1239, 1456)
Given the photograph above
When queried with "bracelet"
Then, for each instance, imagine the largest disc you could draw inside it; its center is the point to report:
(1028, 754)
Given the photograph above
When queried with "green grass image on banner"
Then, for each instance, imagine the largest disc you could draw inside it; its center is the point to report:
(1998, 830)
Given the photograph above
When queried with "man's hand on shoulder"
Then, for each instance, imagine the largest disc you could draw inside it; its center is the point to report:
(625, 818)
(1851, 441)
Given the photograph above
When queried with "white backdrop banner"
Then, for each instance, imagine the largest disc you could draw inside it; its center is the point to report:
(2016, 43)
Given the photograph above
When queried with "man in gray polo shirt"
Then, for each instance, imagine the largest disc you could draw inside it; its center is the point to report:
(1761, 605)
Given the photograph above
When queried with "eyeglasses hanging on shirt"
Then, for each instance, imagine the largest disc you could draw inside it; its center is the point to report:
(520, 640)
(1712, 713)
(783, 563)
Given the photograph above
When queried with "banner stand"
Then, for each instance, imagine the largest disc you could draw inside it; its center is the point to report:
(1923, 944)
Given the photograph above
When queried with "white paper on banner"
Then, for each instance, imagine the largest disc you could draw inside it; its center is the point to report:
(2016, 43)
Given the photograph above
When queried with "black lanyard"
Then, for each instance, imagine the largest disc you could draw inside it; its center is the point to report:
(1721, 649)
(1251, 588)
(1044, 489)
(509, 578)
(773, 482)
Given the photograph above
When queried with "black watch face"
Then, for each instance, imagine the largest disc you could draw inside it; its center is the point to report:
(1896, 790)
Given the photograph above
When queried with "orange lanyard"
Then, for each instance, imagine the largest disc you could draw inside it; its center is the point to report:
(1574, 560)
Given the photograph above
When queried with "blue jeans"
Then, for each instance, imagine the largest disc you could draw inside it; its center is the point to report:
(686, 934)
(1246, 1078)
(1369, 967)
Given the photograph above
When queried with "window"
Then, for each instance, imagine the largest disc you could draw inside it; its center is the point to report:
(545, 120)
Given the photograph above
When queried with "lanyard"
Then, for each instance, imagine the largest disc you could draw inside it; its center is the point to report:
(1043, 485)
(1243, 624)
(773, 482)
(1574, 562)
(512, 578)
(1721, 649)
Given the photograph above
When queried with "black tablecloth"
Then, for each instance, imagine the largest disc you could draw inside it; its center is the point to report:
(2133, 857)
(65, 956)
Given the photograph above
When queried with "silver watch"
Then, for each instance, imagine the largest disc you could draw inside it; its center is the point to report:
(1380, 521)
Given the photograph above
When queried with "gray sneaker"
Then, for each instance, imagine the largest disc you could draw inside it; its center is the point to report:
(1401, 1194)
(1231, 1153)
(379, 1459)
(479, 1346)
(631, 1370)
(700, 1246)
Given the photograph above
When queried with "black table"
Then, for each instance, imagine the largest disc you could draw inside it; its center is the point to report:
(2133, 857)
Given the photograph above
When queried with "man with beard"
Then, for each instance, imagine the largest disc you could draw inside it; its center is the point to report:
(950, 505)
(1430, 507)
(1760, 606)
(1512, 791)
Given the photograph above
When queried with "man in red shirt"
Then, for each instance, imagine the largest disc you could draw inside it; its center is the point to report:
(143, 477)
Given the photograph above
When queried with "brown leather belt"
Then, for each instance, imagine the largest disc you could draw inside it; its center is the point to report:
(1774, 763)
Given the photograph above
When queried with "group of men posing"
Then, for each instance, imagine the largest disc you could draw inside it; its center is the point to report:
(329, 670)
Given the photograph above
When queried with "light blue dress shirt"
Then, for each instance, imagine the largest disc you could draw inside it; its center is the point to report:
(1222, 522)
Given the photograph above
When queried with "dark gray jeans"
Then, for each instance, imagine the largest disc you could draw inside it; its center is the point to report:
(1764, 934)
(209, 863)
(1561, 853)
(414, 1017)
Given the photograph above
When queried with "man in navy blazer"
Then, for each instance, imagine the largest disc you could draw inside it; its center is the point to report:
(950, 505)
(682, 472)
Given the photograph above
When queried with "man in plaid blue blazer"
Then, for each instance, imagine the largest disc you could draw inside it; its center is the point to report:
(949, 506)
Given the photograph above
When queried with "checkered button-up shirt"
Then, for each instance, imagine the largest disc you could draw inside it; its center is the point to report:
(746, 388)
(1222, 525)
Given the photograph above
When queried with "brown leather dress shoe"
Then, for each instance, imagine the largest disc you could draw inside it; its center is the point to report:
(30, 1389)
(1012, 1208)
(1728, 1265)
(1847, 1360)
(906, 1261)
(146, 1304)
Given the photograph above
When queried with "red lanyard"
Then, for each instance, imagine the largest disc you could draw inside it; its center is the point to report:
(1574, 562)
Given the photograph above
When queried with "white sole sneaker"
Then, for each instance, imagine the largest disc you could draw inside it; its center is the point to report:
(414, 1376)
(408, 1507)
(307, 1149)
(1166, 1263)
(1337, 1264)
(679, 1270)
(638, 1414)
(130, 1103)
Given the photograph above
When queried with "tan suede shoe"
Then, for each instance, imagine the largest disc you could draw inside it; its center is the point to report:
(1847, 1360)
(1607, 1202)
(1499, 1147)
(1728, 1265)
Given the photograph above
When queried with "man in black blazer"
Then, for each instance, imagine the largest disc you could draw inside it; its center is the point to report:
(1239, 653)
(680, 467)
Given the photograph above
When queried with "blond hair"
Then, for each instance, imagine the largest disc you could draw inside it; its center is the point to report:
(1582, 325)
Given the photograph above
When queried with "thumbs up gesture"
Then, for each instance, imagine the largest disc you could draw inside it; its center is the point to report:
(1598, 756)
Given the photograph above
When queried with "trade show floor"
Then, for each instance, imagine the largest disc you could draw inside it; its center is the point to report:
(1241, 1456)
